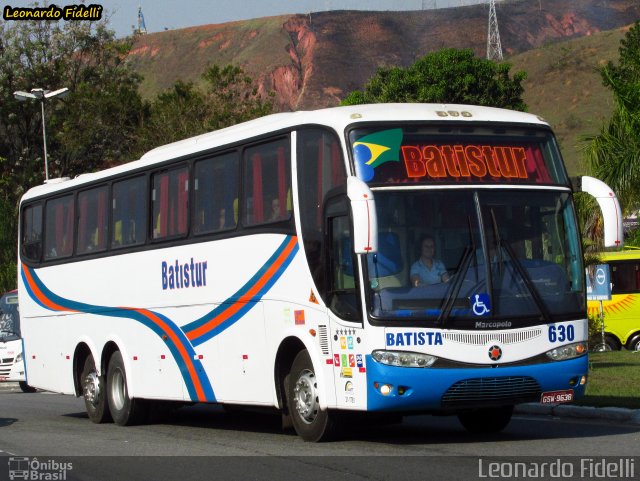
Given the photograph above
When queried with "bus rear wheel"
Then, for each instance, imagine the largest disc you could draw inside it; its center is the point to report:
(124, 409)
(487, 420)
(26, 388)
(310, 422)
(94, 392)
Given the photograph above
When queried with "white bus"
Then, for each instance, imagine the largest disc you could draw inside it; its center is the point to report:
(11, 362)
(276, 263)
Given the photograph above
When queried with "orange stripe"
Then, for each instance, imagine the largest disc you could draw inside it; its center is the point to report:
(38, 293)
(148, 314)
(183, 352)
(213, 323)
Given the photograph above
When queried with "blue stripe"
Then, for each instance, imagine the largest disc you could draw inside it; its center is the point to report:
(248, 305)
(141, 318)
(245, 288)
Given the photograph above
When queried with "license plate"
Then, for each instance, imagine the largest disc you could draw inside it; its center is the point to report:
(2, 378)
(553, 397)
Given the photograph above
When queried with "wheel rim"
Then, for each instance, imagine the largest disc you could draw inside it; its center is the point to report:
(636, 346)
(305, 395)
(602, 347)
(118, 390)
(92, 388)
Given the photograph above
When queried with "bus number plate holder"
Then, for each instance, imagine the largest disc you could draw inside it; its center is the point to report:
(554, 397)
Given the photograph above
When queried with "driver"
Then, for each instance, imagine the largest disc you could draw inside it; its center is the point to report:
(427, 269)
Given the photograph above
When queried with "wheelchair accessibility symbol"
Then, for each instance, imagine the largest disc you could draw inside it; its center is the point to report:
(481, 305)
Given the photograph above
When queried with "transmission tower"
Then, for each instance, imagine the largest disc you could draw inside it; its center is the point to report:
(494, 49)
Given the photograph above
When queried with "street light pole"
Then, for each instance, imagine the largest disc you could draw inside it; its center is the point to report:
(41, 94)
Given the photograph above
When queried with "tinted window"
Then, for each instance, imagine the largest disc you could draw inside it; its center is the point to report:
(625, 277)
(267, 183)
(59, 216)
(32, 232)
(92, 220)
(170, 201)
(216, 194)
(129, 212)
(320, 169)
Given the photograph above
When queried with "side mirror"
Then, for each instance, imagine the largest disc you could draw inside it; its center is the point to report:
(610, 207)
(365, 220)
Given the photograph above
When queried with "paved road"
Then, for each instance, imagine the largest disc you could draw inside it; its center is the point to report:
(198, 441)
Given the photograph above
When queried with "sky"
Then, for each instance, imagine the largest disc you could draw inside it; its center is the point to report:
(160, 15)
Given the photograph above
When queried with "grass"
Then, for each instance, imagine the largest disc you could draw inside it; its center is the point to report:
(614, 380)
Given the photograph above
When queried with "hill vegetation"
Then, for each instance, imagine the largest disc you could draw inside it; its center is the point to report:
(334, 52)
(313, 61)
(564, 86)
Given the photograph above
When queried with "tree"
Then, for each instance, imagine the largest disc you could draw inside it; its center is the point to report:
(229, 97)
(95, 125)
(446, 76)
(613, 155)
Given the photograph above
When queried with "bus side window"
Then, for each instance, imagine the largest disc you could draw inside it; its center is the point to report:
(267, 181)
(343, 297)
(92, 220)
(59, 219)
(216, 193)
(320, 170)
(169, 199)
(32, 232)
(128, 212)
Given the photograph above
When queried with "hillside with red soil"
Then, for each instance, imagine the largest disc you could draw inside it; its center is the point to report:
(314, 60)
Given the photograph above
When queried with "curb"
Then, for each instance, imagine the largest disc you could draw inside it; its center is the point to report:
(621, 415)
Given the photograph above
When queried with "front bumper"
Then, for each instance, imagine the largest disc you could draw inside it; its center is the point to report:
(444, 389)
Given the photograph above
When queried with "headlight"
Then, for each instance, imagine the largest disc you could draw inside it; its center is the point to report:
(568, 352)
(18, 358)
(403, 359)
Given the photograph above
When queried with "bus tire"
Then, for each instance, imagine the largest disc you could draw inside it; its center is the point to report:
(125, 410)
(487, 420)
(634, 343)
(26, 388)
(94, 392)
(310, 422)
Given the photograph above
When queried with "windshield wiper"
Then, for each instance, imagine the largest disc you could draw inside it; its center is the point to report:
(535, 295)
(467, 256)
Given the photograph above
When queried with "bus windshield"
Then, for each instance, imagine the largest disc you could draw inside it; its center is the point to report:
(9, 317)
(472, 257)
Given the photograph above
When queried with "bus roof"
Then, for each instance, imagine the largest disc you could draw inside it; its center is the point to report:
(336, 117)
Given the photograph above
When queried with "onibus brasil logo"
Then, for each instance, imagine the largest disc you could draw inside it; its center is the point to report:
(33, 469)
(375, 149)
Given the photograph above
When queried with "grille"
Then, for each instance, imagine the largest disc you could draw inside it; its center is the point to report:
(492, 390)
(484, 338)
(6, 360)
(4, 371)
(324, 339)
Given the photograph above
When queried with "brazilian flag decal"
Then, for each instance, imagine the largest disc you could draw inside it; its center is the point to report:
(374, 149)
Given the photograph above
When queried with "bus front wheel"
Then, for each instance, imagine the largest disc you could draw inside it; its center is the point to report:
(124, 409)
(487, 420)
(94, 392)
(310, 422)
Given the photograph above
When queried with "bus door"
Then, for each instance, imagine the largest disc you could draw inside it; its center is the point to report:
(344, 301)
